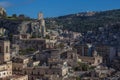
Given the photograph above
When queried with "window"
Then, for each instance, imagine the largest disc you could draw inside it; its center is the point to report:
(46, 72)
(10, 72)
(25, 72)
(38, 73)
(53, 73)
(32, 78)
(98, 61)
(32, 73)
(3, 73)
(6, 49)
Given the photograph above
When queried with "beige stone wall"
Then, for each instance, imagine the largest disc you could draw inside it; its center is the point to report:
(6, 64)
(20, 77)
(64, 71)
(1, 58)
(19, 64)
(5, 51)
(6, 70)
(87, 59)
(34, 73)
(98, 60)
(18, 67)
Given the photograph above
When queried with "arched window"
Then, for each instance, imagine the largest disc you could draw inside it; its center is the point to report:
(38, 73)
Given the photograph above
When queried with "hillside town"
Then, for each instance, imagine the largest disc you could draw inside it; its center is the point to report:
(36, 52)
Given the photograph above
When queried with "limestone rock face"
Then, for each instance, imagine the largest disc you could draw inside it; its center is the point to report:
(24, 27)
(36, 28)
(21, 27)
(30, 27)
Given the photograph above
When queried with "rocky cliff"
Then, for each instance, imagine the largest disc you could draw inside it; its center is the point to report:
(10, 25)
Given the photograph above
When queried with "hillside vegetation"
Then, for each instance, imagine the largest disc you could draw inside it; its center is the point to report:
(83, 22)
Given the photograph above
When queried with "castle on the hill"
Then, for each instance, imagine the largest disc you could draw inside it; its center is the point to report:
(38, 27)
(35, 28)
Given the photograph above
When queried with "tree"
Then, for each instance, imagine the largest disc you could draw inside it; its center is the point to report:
(14, 15)
(47, 37)
(78, 78)
(83, 66)
(61, 45)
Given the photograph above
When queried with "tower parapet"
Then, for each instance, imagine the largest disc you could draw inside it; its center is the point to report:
(40, 16)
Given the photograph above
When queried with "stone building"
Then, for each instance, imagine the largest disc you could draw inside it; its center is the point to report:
(4, 51)
(25, 42)
(45, 65)
(42, 72)
(50, 44)
(5, 70)
(21, 67)
(107, 52)
(18, 77)
(19, 63)
(84, 50)
(93, 61)
(17, 38)
(35, 43)
(88, 54)
(56, 57)
(5, 63)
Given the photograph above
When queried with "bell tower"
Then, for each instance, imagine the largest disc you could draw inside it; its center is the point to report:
(42, 24)
(4, 51)
(40, 16)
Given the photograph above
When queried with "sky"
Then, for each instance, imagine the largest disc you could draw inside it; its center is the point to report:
(53, 8)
